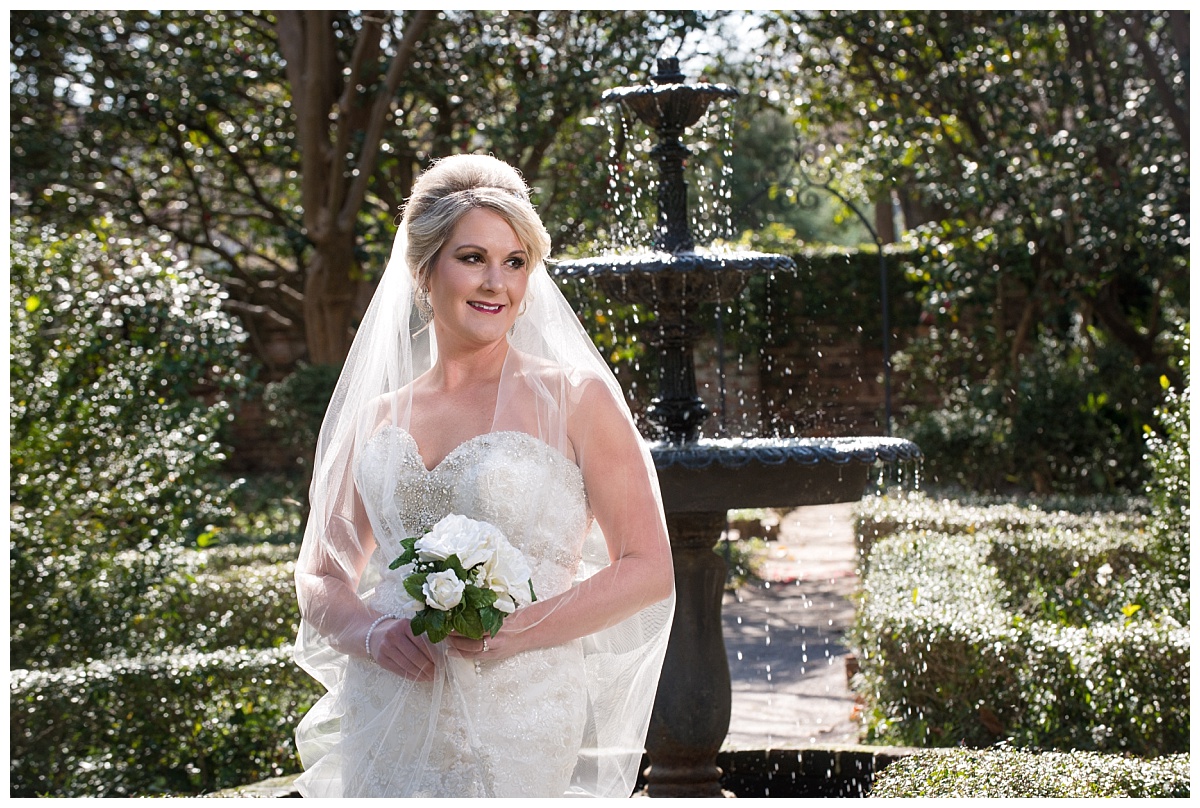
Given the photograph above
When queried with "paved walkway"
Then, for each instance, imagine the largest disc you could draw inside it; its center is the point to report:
(785, 636)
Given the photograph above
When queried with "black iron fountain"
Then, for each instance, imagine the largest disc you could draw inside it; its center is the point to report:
(702, 479)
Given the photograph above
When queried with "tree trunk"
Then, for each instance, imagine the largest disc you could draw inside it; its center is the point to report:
(329, 294)
(340, 125)
(885, 222)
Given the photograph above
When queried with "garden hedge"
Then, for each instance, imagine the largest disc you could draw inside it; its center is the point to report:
(1007, 772)
(1053, 635)
(178, 723)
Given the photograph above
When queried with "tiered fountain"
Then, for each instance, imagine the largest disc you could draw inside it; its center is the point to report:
(702, 479)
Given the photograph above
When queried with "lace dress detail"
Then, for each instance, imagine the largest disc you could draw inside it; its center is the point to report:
(507, 728)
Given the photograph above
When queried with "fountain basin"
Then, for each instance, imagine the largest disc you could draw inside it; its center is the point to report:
(663, 280)
(669, 102)
(655, 262)
(711, 475)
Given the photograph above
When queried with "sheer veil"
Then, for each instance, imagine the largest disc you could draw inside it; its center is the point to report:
(552, 380)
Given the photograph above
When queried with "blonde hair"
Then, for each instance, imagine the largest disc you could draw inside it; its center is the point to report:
(452, 187)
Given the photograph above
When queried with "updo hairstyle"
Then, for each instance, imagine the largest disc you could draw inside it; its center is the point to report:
(453, 186)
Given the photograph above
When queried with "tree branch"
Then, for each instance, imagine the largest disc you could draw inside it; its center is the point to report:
(1137, 33)
(366, 165)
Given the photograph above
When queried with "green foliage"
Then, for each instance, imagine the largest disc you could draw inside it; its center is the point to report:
(743, 559)
(123, 365)
(766, 189)
(1168, 453)
(297, 407)
(206, 714)
(831, 285)
(1069, 420)
(267, 507)
(186, 122)
(171, 121)
(180, 722)
(526, 86)
(1007, 772)
(200, 606)
(1041, 162)
(1051, 629)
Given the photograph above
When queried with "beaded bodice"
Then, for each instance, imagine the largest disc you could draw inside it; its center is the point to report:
(529, 490)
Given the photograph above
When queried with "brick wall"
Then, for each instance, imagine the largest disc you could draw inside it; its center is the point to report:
(816, 381)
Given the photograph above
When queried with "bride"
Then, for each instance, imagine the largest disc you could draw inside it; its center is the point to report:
(497, 408)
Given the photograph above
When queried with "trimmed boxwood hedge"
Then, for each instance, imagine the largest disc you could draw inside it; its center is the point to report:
(217, 711)
(1046, 629)
(1006, 772)
(222, 603)
(178, 723)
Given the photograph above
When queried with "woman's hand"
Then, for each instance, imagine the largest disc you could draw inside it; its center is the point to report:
(395, 648)
(489, 649)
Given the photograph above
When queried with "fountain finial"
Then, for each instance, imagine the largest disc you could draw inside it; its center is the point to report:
(668, 71)
(669, 106)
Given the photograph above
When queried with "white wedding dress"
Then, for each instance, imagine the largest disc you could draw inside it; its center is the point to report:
(510, 728)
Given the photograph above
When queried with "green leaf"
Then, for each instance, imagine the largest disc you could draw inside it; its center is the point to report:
(477, 597)
(417, 624)
(491, 619)
(468, 623)
(408, 556)
(436, 626)
(32, 303)
(413, 586)
(452, 563)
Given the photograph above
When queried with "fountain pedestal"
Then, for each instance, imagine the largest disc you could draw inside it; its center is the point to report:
(691, 711)
(701, 481)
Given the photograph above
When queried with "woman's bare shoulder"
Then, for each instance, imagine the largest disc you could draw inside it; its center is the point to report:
(554, 374)
(388, 407)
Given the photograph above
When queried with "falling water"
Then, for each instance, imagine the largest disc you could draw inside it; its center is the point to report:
(670, 288)
(632, 175)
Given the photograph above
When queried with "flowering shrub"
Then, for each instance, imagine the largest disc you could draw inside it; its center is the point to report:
(122, 364)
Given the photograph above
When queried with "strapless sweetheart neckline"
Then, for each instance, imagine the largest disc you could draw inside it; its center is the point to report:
(467, 444)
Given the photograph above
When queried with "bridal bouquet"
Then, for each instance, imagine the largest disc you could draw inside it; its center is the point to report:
(464, 576)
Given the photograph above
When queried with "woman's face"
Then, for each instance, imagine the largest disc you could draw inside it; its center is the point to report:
(478, 280)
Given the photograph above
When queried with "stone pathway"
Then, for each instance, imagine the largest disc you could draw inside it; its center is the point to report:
(785, 637)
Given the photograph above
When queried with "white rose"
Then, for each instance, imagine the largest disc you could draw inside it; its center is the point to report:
(470, 540)
(443, 590)
(508, 576)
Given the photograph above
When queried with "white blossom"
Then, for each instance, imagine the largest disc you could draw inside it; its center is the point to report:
(472, 541)
(508, 576)
(443, 590)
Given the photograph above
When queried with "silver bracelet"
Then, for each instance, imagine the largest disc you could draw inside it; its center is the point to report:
(371, 630)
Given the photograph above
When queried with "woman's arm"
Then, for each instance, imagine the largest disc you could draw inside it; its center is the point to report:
(622, 490)
(327, 575)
